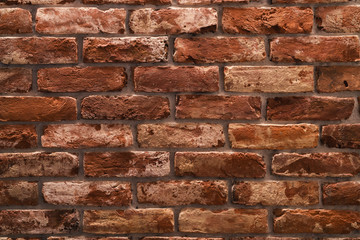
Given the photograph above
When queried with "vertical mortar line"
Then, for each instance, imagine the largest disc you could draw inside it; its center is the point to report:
(267, 155)
(220, 10)
(80, 43)
(176, 211)
(221, 79)
(127, 22)
(34, 85)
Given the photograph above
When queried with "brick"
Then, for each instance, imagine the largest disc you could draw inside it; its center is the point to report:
(341, 136)
(125, 107)
(18, 193)
(36, 2)
(272, 238)
(17, 136)
(309, 1)
(173, 20)
(278, 79)
(203, 2)
(338, 19)
(290, 136)
(150, 220)
(333, 164)
(176, 79)
(180, 135)
(219, 49)
(15, 80)
(179, 238)
(338, 78)
(15, 20)
(218, 107)
(316, 221)
(38, 50)
(87, 136)
(267, 20)
(315, 49)
(127, 164)
(126, 49)
(38, 221)
(339, 238)
(37, 108)
(99, 193)
(173, 193)
(38, 164)
(219, 164)
(87, 238)
(223, 221)
(309, 108)
(270, 193)
(130, 2)
(22, 238)
(80, 20)
(342, 193)
(77, 79)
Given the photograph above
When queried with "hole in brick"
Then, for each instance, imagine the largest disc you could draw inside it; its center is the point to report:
(346, 84)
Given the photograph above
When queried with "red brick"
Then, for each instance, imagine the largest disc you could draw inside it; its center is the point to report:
(341, 136)
(131, 2)
(87, 238)
(15, 80)
(338, 19)
(180, 238)
(18, 193)
(203, 2)
(309, 1)
(272, 238)
(17, 136)
(35, 2)
(342, 193)
(338, 78)
(15, 20)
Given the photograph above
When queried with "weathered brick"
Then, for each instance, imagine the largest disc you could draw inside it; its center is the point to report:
(17, 136)
(172, 193)
(309, 108)
(269, 79)
(150, 220)
(77, 79)
(223, 221)
(219, 164)
(126, 49)
(315, 49)
(202, 2)
(15, 80)
(38, 50)
(38, 164)
(176, 79)
(87, 135)
(35, 2)
(127, 164)
(179, 238)
(18, 193)
(131, 2)
(338, 19)
(316, 221)
(125, 107)
(173, 20)
(38, 221)
(338, 78)
(309, 1)
(272, 238)
(99, 193)
(331, 164)
(15, 20)
(87, 238)
(342, 193)
(341, 136)
(291, 136)
(180, 135)
(37, 108)
(276, 193)
(256, 20)
(219, 49)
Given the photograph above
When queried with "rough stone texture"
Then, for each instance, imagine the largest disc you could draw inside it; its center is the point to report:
(37, 50)
(131, 2)
(180, 135)
(126, 49)
(338, 19)
(338, 78)
(15, 80)
(88, 238)
(309, 1)
(173, 193)
(179, 238)
(173, 20)
(267, 20)
(218, 107)
(17, 136)
(316, 221)
(315, 49)
(15, 20)
(80, 20)
(35, 2)
(219, 164)
(201, 2)
(276, 193)
(77, 79)
(87, 135)
(127, 164)
(219, 49)
(38, 164)
(279, 79)
(38, 221)
(341, 136)
(309, 108)
(150, 220)
(18, 193)
(272, 238)
(100, 193)
(342, 193)
(291, 136)
(176, 79)
(223, 221)
(125, 107)
(37, 108)
(331, 164)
